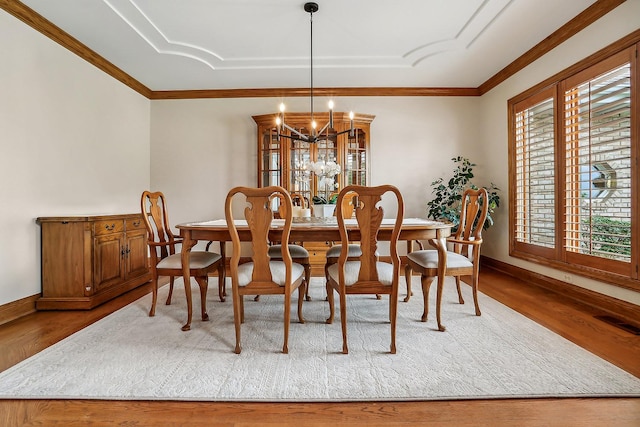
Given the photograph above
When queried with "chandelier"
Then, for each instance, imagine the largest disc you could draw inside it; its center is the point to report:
(314, 135)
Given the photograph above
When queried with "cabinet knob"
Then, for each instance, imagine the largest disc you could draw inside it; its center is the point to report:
(136, 223)
(110, 227)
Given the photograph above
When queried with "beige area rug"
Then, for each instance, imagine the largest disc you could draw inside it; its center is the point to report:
(129, 355)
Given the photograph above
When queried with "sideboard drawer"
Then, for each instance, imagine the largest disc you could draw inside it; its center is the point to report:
(135, 224)
(108, 226)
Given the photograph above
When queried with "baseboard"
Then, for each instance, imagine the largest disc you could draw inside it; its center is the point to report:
(15, 309)
(604, 303)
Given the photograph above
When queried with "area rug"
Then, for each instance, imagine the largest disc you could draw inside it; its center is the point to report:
(500, 354)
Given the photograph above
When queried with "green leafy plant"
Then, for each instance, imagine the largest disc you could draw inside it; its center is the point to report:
(607, 235)
(448, 194)
(319, 200)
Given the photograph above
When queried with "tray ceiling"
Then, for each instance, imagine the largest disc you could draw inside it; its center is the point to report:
(237, 44)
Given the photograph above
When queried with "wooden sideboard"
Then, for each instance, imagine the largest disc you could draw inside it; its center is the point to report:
(87, 260)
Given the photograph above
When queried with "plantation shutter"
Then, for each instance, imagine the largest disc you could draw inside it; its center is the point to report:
(535, 216)
(597, 132)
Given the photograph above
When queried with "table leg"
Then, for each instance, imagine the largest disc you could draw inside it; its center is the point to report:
(223, 290)
(408, 272)
(441, 246)
(187, 244)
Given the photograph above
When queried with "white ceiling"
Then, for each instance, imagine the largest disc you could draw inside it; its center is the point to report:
(239, 44)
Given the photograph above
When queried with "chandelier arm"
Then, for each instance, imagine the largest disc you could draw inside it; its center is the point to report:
(350, 130)
(304, 137)
(323, 129)
(301, 135)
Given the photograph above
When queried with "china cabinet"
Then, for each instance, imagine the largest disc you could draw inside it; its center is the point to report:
(87, 260)
(285, 160)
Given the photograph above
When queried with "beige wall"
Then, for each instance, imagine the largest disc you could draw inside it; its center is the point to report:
(75, 141)
(202, 148)
(72, 141)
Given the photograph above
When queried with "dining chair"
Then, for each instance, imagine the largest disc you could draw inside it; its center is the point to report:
(263, 275)
(165, 261)
(298, 252)
(463, 256)
(367, 275)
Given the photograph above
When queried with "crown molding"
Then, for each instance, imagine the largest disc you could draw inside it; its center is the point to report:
(304, 92)
(47, 28)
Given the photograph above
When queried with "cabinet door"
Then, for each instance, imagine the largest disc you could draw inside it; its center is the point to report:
(136, 253)
(63, 259)
(299, 175)
(269, 156)
(326, 150)
(108, 260)
(356, 161)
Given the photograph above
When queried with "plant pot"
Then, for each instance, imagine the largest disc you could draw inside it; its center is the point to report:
(325, 210)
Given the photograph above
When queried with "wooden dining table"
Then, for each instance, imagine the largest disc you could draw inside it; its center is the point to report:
(314, 229)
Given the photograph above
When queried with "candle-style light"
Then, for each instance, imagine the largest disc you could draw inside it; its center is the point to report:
(351, 123)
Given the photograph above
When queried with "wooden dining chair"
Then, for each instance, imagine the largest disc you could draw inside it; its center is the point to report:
(368, 275)
(262, 275)
(463, 259)
(166, 261)
(298, 252)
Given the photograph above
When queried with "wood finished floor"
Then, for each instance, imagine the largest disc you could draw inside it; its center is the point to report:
(26, 336)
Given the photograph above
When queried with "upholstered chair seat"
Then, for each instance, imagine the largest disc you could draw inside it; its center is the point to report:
(278, 272)
(197, 259)
(297, 251)
(352, 269)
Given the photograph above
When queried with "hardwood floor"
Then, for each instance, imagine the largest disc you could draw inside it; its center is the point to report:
(30, 334)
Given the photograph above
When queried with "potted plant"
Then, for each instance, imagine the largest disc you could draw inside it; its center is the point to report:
(325, 172)
(448, 194)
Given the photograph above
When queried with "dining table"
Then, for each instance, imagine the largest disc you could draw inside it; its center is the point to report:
(314, 229)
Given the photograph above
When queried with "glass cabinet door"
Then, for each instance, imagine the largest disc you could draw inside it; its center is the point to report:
(299, 175)
(270, 160)
(326, 151)
(356, 159)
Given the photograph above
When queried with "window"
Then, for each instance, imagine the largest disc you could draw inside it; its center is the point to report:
(573, 150)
